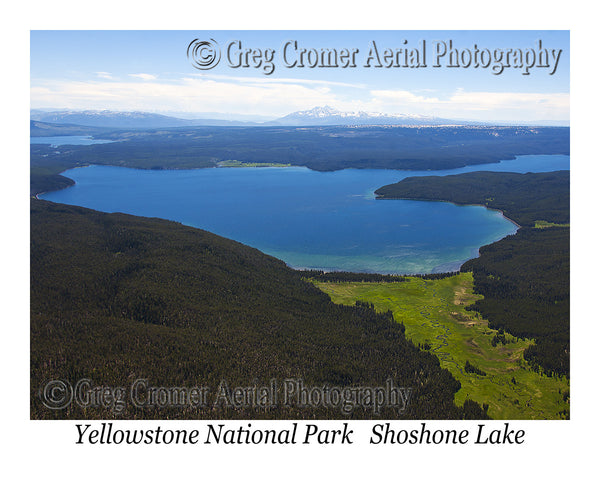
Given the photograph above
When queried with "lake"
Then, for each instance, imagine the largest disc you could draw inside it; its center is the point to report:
(309, 219)
(66, 140)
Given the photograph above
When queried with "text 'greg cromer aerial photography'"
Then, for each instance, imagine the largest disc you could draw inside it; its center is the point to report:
(300, 225)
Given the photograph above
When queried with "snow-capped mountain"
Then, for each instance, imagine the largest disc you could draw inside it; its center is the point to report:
(330, 116)
(317, 116)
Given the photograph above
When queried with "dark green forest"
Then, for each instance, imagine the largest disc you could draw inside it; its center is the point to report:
(45, 166)
(523, 197)
(525, 281)
(40, 183)
(115, 298)
(44, 129)
(524, 277)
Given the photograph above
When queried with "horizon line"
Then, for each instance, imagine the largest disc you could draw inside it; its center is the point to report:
(189, 116)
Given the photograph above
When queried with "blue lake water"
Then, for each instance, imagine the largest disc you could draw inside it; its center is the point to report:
(67, 140)
(322, 220)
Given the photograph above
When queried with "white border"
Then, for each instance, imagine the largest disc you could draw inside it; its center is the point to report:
(47, 449)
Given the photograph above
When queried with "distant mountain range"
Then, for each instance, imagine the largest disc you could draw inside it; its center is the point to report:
(330, 116)
(317, 116)
(112, 119)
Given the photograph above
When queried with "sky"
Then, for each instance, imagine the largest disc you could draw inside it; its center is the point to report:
(264, 74)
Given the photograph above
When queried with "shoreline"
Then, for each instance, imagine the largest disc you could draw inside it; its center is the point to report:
(452, 267)
(377, 197)
(449, 268)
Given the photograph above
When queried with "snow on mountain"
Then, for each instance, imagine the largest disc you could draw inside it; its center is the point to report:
(316, 116)
(330, 116)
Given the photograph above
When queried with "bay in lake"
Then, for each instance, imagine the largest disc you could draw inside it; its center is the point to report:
(309, 219)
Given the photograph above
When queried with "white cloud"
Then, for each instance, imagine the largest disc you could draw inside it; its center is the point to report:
(254, 80)
(277, 97)
(104, 75)
(186, 94)
(143, 76)
(484, 106)
(512, 100)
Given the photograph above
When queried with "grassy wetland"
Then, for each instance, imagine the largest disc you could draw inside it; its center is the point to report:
(488, 363)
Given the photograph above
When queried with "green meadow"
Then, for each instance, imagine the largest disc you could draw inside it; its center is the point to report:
(237, 163)
(545, 224)
(434, 315)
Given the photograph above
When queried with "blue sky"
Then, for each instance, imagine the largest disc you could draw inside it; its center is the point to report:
(150, 71)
